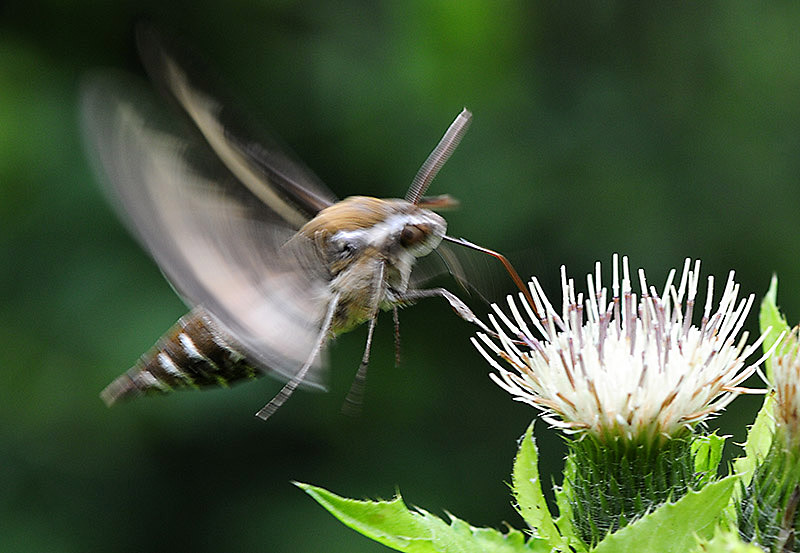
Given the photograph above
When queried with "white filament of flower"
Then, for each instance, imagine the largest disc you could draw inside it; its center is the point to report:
(625, 364)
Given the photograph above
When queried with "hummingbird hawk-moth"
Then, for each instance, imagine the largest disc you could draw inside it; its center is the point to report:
(272, 265)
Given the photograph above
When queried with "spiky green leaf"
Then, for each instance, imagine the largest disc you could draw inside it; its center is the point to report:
(769, 317)
(527, 488)
(759, 439)
(564, 520)
(707, 451)
(394, 525)
(726, 541)
(673, 527)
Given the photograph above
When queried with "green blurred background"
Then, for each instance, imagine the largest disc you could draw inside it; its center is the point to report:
(659, 132)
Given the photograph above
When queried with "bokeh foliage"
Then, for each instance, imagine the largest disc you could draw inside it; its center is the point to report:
(652, 130)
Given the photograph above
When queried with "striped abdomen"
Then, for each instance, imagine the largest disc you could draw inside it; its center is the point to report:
(192, 354)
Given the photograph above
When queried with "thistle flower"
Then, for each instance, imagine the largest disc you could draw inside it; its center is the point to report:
(620, 364)
(769, 506)
(786, 380)
(628, 378)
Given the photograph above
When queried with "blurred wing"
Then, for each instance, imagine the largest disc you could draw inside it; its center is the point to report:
(219, 240)
(256, 159)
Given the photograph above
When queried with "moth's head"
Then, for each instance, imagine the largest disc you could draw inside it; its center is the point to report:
(361, 229)
(394, 230)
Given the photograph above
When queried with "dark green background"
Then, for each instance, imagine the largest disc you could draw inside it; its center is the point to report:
(659, 132)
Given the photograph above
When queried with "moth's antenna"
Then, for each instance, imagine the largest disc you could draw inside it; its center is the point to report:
(439, 156)
(506, 263)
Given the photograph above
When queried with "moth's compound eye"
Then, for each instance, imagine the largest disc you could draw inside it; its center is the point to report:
(345, 248)
(411, 235)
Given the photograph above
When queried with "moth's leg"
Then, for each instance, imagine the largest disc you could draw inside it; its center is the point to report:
(458, 306)
(355, 397)
(280, 398)
(396, 320)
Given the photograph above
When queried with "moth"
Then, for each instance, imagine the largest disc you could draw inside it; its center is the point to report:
(273, 265)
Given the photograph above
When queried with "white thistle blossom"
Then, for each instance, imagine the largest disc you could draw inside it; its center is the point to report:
(786, 380)
(622, 364)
